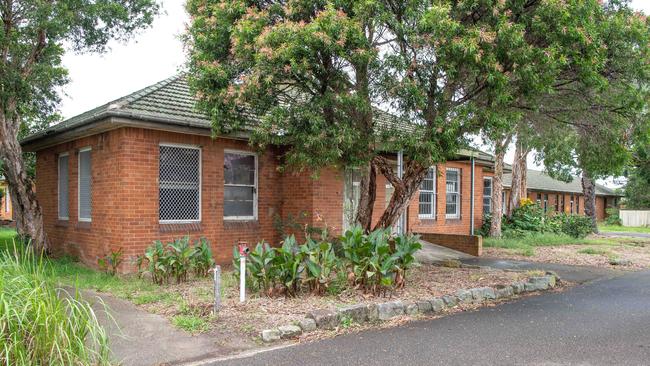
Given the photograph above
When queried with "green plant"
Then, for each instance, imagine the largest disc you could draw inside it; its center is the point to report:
(259, 267)
(320, 263)
(404, 255)
(40, 325)
(191, 323)
(202, 259)
(576, 226)
(110, 262)
(158, 262)
(288, 266)
(613, 218)
(180, 258)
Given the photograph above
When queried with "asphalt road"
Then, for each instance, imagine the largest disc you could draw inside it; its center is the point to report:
(605, 322)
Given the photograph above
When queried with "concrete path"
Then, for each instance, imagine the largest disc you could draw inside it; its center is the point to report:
(138, 338)
(602, 323)
(579, 274)
(432, 253)
(627, 234)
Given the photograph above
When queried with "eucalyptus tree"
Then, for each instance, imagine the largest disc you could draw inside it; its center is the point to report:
(33, 38)
(307, 75)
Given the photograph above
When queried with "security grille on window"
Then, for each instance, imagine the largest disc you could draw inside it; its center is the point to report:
(180, 183)
(453, 193)
(240, 186)
(427, 207)
(85, 185)
(63, 187)
(487, 195)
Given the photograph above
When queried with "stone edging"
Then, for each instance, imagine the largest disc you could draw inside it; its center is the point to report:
(362, 313)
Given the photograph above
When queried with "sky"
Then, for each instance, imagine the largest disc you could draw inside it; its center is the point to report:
(151, 56)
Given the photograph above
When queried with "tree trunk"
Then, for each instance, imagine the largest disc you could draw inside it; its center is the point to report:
(404, 188)
(519, 176)
(589, 192)
(497, 187)
(367, 197)
(26, 209)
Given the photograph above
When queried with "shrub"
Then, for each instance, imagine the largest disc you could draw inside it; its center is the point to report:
(288, 267)
(320, 263)
(41, 326)
(259, 267)
(176, 259)
(613, 218)
(576, 226)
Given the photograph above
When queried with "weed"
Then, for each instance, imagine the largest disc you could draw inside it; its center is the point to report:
(191, 323)
(594, 251)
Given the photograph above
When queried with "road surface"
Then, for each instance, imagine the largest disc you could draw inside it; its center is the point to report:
(604, 322)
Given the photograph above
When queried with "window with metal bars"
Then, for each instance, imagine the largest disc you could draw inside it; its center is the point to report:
(179, 179)
(240, 186)
(427, 206)
(64, 209)
(85, 184)
(487, 195)
(453, 193)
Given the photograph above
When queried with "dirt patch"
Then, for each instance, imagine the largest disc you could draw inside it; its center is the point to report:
(638, 252)
(260, 312)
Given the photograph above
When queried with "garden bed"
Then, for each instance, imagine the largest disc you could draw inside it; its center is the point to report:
(193, 301)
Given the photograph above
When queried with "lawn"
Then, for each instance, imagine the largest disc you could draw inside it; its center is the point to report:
(6, 237)
(623, 229)
(595, 250)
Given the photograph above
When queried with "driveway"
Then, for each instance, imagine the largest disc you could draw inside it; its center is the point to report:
(603, 322)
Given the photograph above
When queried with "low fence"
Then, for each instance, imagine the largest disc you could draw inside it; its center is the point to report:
(635, 217)
(470, 244)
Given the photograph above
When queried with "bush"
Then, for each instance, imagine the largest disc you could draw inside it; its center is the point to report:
(576, 226)
(39, 325)
(613, 218)
(374, 262)
(176, 259)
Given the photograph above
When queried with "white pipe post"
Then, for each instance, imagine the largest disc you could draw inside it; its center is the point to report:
(242, 278)
(217, 289)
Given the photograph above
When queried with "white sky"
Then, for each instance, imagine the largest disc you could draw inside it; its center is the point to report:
(151, 56)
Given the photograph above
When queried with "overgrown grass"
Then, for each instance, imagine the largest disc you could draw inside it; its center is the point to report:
(191, 323)
(595, 251)
(39, 325)
(623, 229)
(526, 245)
(6, 238)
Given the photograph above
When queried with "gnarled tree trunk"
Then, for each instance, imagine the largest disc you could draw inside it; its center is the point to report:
(501, 148)
(26, 209)
(367, 197)
(589, 192)
(404, 188)
(519, 178)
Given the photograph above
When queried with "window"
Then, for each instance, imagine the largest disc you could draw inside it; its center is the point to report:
(389, 194)
(85, 185)
(539, 199)
(545, 202)
(240, 186)
(351, 193)
(487, 195)
(503, 201)
(453, 194)
(557, 203)
(64, 210)
(571, 204)
(7, 199)
(578, 204)
(563, 206)
(179, 187)
(427, 208)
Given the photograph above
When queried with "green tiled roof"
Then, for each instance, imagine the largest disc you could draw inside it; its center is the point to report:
(168, 102)
(538, 181)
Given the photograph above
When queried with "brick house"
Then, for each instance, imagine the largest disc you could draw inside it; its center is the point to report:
(145, 167)
(557, 196)
(6, 213)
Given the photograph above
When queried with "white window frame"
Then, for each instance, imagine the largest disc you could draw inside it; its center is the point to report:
(434, 196)
(457, 214)
(255, 187)
(490, 196)
(79, 218)
(58, 185)
(184, 146)
(7, 199)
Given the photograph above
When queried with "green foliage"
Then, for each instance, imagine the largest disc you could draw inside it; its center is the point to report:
(375, 262)
(613, 218)
(576, 226)
(177, 259)
(637, 189)
(594, 251)
(110, 262)
(41, 326)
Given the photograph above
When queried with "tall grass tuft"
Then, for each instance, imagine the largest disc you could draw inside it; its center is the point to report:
(43, 325)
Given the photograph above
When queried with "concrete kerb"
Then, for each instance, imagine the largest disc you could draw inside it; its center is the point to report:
(362, 313)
